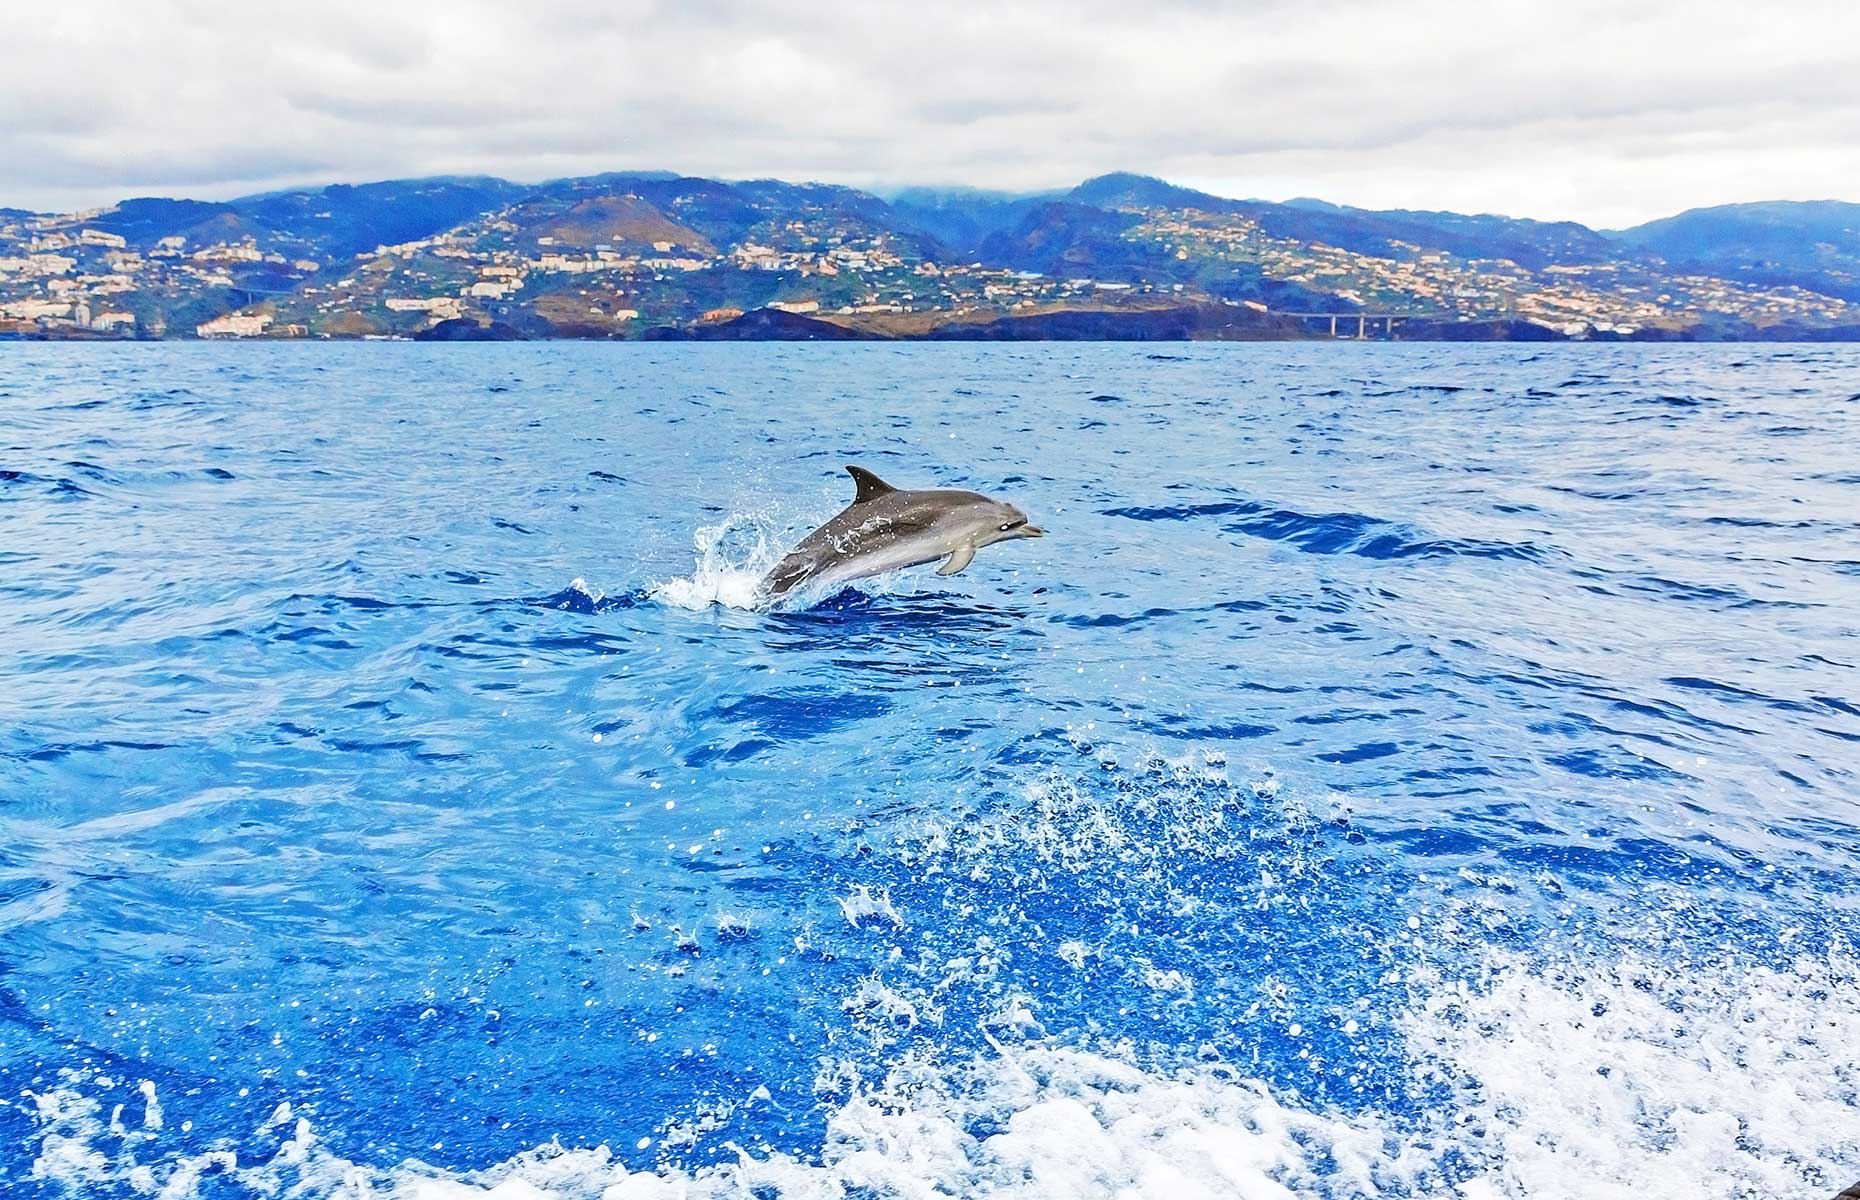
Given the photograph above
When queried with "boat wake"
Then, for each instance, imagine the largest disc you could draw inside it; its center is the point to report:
(1627, 1078)
(1448, 1069)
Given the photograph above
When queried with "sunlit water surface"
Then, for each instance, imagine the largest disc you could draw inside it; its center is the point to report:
(1401, 771)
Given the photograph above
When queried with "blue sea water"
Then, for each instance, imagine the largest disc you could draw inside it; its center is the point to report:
(1401, 771)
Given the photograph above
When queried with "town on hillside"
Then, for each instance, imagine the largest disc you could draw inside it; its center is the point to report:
(660, 256)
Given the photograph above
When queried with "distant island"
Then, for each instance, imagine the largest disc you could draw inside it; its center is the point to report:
(654, 256)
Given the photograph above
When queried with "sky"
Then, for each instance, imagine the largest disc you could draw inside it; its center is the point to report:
(1605, 113)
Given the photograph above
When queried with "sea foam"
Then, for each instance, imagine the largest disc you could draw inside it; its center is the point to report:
(1623, 1078)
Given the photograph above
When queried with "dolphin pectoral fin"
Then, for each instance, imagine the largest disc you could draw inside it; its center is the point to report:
(960, 558)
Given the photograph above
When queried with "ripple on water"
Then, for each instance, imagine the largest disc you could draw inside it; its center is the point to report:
(428, 805)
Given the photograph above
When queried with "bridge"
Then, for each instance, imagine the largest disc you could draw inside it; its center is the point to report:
(1364, 322)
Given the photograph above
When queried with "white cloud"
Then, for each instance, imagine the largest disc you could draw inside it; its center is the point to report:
(1602, 112)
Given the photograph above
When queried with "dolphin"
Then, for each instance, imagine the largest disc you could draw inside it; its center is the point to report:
(888, 529)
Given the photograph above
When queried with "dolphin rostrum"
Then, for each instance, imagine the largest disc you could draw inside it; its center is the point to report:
(888, 529)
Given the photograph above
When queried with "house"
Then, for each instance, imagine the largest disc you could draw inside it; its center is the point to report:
(444, 308)
(562, 262)
(35, 310)
(246, 251)
(235, 325)
(751, 257)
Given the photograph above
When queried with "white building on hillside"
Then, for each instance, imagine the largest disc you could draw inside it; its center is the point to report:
(234, 325)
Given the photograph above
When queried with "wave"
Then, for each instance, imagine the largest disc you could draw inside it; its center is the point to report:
(62, 488)
(1618, 1077)
(580, 597)
(1333, 533)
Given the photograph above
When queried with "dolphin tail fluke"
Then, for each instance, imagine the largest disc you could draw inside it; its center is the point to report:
(870, 486)
(962, 557)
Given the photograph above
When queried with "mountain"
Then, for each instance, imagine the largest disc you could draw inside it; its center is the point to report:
(1529, 243)
(584, 221)
(344, 219)
(961, 219)
(1813, 244)
(651, 253)
(1121, 189)
(1533, 244)
(1064, 239)
(144, 221)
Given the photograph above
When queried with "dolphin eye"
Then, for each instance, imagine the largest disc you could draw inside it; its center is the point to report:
(1007, 527)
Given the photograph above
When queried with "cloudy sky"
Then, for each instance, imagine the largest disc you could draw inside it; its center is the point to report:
(1608, 113)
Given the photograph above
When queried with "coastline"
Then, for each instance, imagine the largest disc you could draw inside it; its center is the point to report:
(1178, 323)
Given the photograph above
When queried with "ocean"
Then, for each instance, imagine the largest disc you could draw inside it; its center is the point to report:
(1401, 771)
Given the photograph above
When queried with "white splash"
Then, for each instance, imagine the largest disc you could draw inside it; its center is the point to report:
(1633, 1079)
(151, 1111)
(1613, 1079)
(594, 595)
(863, 904)
(732, 558)
(735, 554)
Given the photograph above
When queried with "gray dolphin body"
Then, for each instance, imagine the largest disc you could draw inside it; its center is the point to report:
(888, 529)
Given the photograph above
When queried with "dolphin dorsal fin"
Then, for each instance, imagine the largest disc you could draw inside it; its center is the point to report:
(871, 487)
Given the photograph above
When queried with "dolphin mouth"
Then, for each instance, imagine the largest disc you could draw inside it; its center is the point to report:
(1030, 531)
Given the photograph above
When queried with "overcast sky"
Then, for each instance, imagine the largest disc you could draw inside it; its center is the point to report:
(1607, 113)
